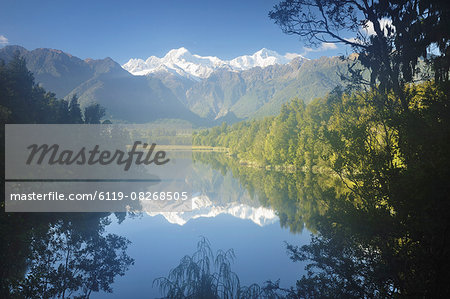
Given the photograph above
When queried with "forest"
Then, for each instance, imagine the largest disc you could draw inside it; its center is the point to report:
(374, 152)
(44, 255)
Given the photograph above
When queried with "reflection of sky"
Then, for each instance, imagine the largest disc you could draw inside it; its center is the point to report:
(157, 246)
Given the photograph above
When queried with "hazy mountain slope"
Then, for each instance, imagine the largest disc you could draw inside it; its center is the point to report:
(55, 70)
(214, 96)
(262, 91)
(245, 87)
(315, 78)
(125, 97)
(132, 99)
(177, 84)
(203, 90)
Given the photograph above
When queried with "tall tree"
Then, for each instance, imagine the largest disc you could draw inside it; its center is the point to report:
(93, 114)
(75, 111)
(389, 36)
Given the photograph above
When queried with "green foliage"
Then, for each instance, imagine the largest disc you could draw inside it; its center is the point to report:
(22, 101)
(401, 33)
(371, 179)
(291, 138)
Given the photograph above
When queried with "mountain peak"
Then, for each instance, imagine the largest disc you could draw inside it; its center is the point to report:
(176, 53)
(180, 61)
(180, 50)
(266, 53)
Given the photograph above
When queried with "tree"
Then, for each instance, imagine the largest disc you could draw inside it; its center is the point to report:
(93, 114)
(75, 111)
(24, 102)
(389, 36)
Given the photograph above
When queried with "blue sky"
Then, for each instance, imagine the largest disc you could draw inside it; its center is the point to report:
(138, 29)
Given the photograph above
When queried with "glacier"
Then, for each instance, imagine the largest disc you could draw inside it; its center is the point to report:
(182, 62)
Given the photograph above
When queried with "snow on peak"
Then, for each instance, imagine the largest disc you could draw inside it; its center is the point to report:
(262, 58)
(178, 52)
(182, 62)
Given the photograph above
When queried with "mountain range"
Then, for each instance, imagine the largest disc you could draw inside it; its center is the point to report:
(203, 90)
(182, 62)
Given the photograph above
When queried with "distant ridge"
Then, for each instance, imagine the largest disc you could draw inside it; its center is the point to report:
(204, 91)
(126, 98)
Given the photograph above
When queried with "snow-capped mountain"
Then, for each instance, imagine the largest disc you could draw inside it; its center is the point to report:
(183, 63)
(202, 207)
(263, 58)
(227, 95)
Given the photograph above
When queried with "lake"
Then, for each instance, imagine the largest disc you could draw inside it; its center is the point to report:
(304, 229)
(224, 213)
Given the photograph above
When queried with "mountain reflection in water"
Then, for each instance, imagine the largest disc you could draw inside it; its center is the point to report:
(203, 207)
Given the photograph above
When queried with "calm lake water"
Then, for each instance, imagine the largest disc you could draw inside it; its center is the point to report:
(226, 214)
(252, 211)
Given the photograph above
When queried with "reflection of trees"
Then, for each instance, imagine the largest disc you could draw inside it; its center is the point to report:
(209, 276)
(70, 258)
(353, 255)
(294, 196)
(340, 267)
(388, 234)
(202, 275)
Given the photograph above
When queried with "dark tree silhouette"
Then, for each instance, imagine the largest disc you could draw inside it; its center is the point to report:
(207, 276)
(401, 32)
(71, 259)
(75, 114)
(45, 255)
(93, 114)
